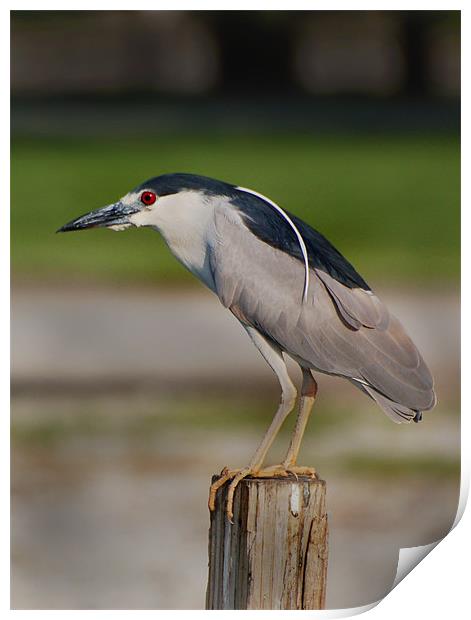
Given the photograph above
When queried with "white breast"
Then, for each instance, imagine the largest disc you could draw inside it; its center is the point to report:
(186, 222)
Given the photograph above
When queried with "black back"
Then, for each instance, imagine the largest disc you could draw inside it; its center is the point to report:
(267, 224)
(270, 226)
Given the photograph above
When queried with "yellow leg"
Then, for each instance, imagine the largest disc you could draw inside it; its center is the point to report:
(308, 396)
(273, 356)
(255, 466)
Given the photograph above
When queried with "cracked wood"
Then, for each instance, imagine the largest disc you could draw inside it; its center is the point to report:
(274, 555)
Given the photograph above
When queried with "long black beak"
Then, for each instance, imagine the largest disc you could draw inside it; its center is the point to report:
(112, 215)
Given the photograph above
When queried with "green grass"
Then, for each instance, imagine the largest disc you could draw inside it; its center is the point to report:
(389, 203)
(432, 466)
(185, 417)
(158, 417)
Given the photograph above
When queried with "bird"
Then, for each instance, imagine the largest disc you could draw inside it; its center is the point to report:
(292, 291)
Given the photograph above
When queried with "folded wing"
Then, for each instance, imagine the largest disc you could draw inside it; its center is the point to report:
(340, 329)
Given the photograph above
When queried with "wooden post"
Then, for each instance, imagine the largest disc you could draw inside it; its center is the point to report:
(274, 555)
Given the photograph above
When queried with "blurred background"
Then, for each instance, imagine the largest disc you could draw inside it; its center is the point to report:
(131, 385)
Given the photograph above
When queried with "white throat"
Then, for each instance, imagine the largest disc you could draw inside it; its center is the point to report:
(185, 220)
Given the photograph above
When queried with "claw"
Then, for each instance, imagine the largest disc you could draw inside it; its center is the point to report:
(299, 470)
(226, 474)
(237, 475)
(243, 473)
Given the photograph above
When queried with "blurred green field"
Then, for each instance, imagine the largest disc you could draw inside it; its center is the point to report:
(389, 203)
(184, 418)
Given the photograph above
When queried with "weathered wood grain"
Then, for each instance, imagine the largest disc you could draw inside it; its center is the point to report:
(274, 555)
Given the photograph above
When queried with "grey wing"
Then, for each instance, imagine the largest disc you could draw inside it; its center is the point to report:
(337, 330)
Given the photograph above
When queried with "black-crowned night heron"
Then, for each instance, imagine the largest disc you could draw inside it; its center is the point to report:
(293, 293)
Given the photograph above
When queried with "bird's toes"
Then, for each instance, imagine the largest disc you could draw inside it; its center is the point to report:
(273, 471)
(236, 475)
(300, 470)
(226, 475)
(243, 473)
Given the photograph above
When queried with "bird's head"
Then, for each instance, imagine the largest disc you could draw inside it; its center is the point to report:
(154, 203)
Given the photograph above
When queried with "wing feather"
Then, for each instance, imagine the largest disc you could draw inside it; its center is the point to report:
(356, 306)
(337, 330)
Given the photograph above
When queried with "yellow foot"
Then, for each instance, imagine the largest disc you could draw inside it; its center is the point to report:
(226, 474)
(300, 470)
(239, 474)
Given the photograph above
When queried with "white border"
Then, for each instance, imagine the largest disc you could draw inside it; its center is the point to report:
(439, 586)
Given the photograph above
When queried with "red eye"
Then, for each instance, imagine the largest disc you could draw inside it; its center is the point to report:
(148, 198)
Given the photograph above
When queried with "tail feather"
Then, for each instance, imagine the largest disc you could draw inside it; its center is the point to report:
(398, 413)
